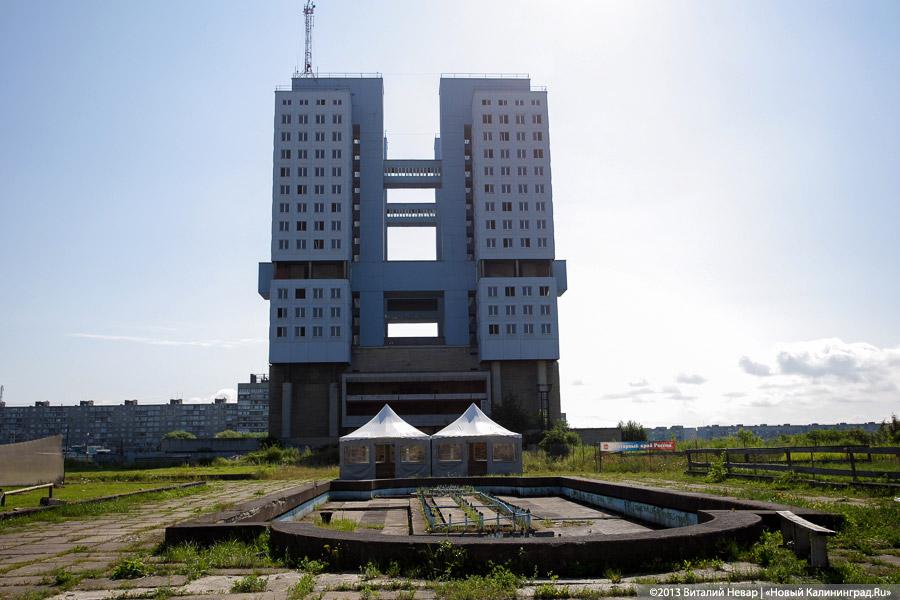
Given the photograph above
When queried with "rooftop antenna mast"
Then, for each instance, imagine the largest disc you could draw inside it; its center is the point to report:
(308, 10)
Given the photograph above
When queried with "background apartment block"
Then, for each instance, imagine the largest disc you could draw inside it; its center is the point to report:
(132, 427)
(490, 294)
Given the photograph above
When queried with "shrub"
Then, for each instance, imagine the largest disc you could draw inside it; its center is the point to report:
(249, 584)
(559, 441)
(302, 588)
(179, 434)
(779, 563)
(632, 431)
(717, 471)
(130, 568)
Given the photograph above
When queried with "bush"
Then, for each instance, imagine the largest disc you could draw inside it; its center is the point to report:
(632, 431)
(717, 472)
(302, 588)
(249, 584)
(130, 568)
(779, 563)
(559, 441)
(179, 434)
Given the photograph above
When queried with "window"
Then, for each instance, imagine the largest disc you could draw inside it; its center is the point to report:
(505, 188)
(284, 190)
(544, 290)
(335, 331)
(520, 119)
(504, 452)
(301, 190)
(318, 293)
(299, 331)
(493, 329)
(301, 207)
(523, 188)
(337, 102)
(335, 225)
(492, 291)
(286, 154)
(285, 119)
(319, 225)
(281, 312)
(510, 310)
(479, 452)
(510, 329)
(507, 243)
(302, 136)
(335, 154)
(335, 207)
(546, 329)
(356, 455)
(317, 312)
(319, 207)
(412, 453)
(449, 452)
(284, 226)
(541, 207)
(528, 329)
(282, 244)
(490, 224)
(539, 171)
(506, 206)
(281, 332)
(504, 136)
(301, 225)
(507, 224)
(335, 293)
(335, 244)
(524, 242)
(538, 153)
(317, 331)
(489, 153)
(504, 153)
(523, 205)
(527, 310)
(504, 119)
(504, 171)
(489, 188)
(510, 291)
(486, 119)
(284, 171)
(542, 242)
(487, 136)
(320, 101)
(489, 206)
(489, 170)
(284, 207)
(336, 119)
(520, 153)
(536, 119)
(300, 312)
(520, 136)
(526, 290)
(545, 309)
(541, 223)
(537, 136)
(539, 188)
(301, 244)
(501, 102)
(492, 310)
(299, 293)
(302, 154)
(335, 312)
(491, 242)
(523, 224)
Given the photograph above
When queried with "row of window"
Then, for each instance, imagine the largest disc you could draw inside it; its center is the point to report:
(521, 171)
(503, 119)
(318, 118)
(527, 329)
(507, 242)
(511, 309)
(506, 188)
(507, 224)
(303, 189)
(317, 331)
(503, 136)
(318, 207)
(303, 153)
(510, 291)
(300, 312)
(301, 244)
(520, 153)
(305, 171)
(318, 136)
(505, 101)
(318, 293)
(540, 206)
(305, 101)
(285, 226)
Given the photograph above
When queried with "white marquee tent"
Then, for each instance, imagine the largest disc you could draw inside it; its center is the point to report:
(475, 445)
(385, 447)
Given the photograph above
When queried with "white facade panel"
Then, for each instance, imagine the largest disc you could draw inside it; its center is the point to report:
(511, 175)
(517, 318)
(312, 175)
(310, 320)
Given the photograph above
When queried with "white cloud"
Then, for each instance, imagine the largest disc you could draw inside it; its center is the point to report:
(227, 344)
(754, 368)
(690, 378)
(578, 382)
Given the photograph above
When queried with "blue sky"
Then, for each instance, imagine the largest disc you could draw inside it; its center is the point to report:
(725, 186)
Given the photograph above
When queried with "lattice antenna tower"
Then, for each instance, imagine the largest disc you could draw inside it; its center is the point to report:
(308, 10)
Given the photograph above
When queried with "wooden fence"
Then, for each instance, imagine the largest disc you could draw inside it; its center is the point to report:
(746, 462)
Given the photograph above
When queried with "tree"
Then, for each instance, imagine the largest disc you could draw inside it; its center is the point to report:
(632, 431)
(559, 440)
(889, 431)
(747, 439)
(179, 434)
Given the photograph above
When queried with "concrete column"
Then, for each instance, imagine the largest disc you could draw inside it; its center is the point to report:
(542, 372)
(286, 397)
(496, 388)
(334, 410)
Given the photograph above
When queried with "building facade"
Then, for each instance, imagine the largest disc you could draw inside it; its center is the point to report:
(131, 427)
(490, 295)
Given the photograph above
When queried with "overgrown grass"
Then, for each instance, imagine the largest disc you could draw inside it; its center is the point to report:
(194, 561)
(96, 509)
(303, 588)
(249, 585)
(75, 490)
(337, 524)
(195, 473)
(499, 584)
